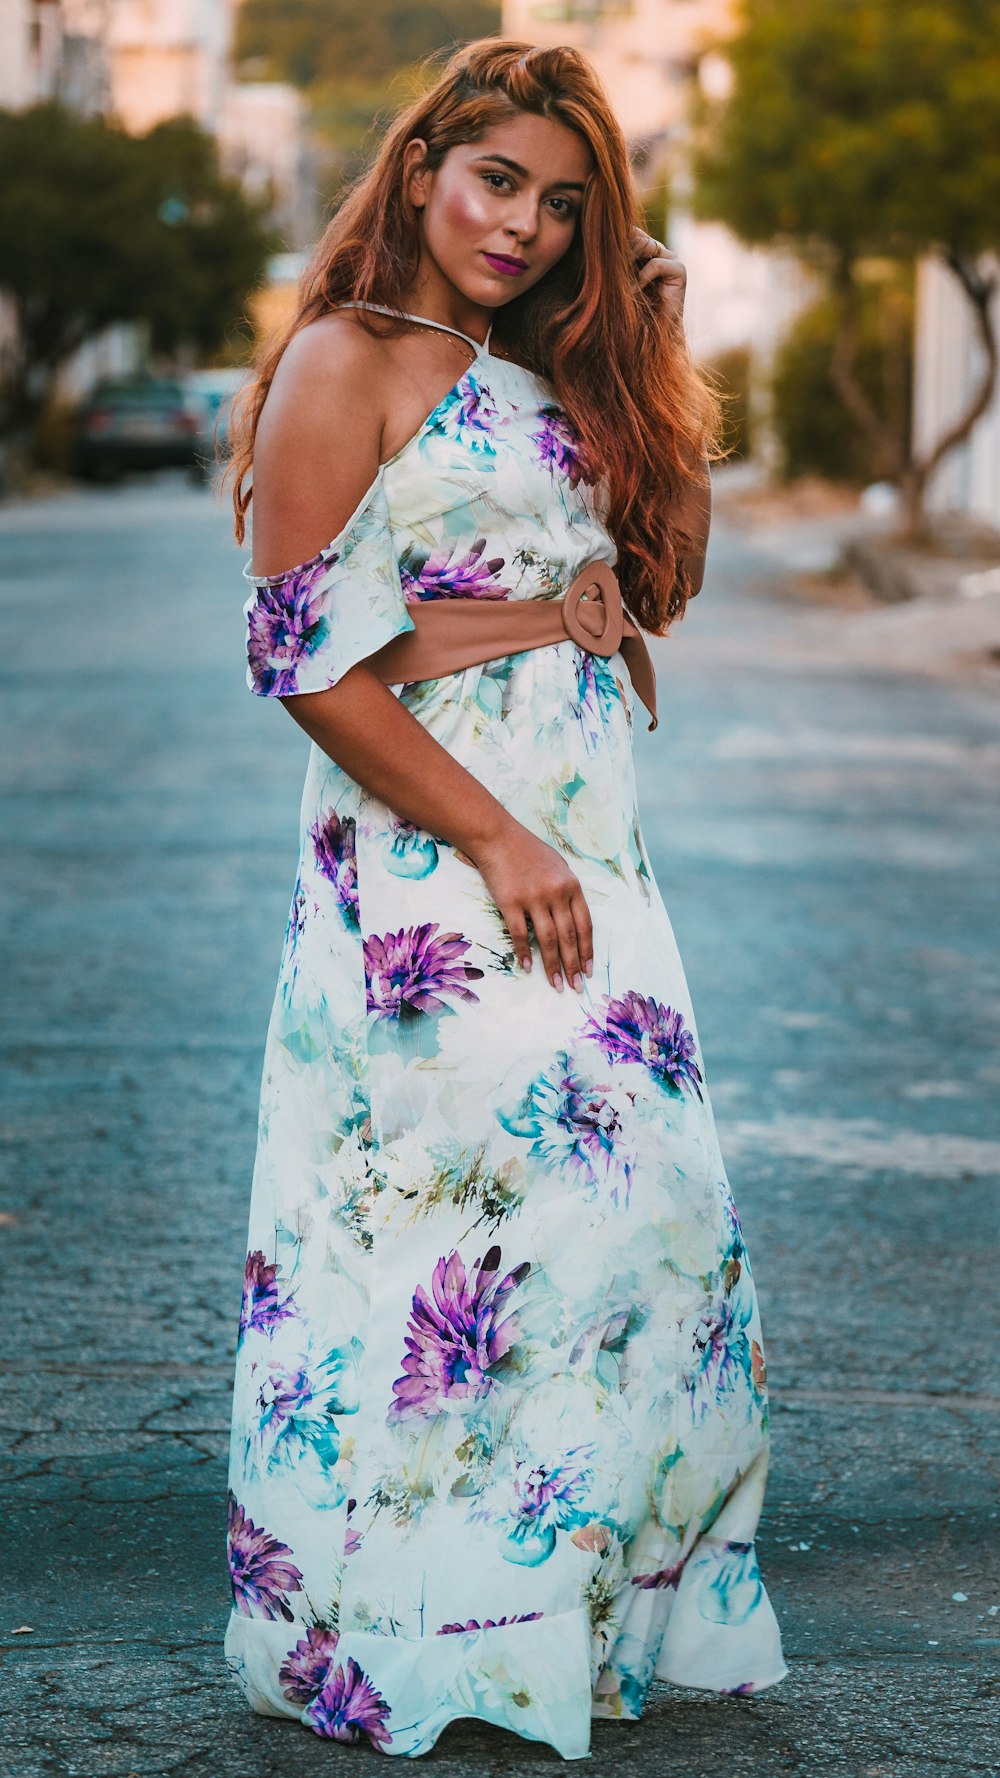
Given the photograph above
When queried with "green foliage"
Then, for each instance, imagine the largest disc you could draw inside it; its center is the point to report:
(98, 227)
(858, 128)
(861, 125)
(815, 432)
(731, 373)
(209, 246)
(338, 42)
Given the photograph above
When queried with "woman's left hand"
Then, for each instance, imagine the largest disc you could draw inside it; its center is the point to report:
(657, 265)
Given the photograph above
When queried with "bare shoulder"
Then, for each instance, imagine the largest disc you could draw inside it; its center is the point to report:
(318, 440)
(334, 355)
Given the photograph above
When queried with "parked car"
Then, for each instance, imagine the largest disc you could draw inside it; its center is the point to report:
(211, 394)
(144, 423)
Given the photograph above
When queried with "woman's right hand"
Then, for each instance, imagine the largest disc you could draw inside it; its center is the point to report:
(531, 883)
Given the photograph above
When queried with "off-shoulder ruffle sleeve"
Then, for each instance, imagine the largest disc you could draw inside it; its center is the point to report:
(308, 626)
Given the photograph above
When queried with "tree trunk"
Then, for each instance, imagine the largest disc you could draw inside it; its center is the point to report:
(979, 287)
(913, 474)
(887, 439)
(38, 353)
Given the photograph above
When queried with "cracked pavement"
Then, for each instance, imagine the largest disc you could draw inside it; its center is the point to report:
(825, 836)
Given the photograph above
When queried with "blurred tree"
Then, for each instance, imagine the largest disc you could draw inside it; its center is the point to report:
(816, 431)
(315, 42)
(98, 227)
(860, 127)
(346, 58)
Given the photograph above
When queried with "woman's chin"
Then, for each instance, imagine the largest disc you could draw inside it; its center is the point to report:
(488, 290)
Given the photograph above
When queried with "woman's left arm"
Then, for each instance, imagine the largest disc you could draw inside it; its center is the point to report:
(693, 510)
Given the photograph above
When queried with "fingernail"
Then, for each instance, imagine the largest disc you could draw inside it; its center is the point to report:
(578, 983)
(557, 983)
(589, 967)
(526, 965)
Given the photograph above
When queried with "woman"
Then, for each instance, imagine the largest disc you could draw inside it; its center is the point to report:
(500, 1422)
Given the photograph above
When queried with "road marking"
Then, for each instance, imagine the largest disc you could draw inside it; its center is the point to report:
(864, 1144)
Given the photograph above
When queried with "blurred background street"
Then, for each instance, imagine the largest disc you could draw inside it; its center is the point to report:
(825, 836)
(820, 802)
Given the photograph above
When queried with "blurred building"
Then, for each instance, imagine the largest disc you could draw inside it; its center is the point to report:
(264, 142)
(948, 365)
(652, 57)
(168, 58)
(53, 49)
(647, 53)
(143, 61)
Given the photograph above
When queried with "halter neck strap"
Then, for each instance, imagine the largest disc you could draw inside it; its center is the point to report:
(424, 321)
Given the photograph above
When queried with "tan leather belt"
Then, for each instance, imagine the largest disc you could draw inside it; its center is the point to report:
(450, 634)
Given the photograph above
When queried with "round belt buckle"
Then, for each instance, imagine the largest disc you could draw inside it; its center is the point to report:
(594, 589)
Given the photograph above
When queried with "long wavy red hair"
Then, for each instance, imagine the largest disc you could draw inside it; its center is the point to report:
(645, 416)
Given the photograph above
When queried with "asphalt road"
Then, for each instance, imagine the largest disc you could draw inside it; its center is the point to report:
(826, 839)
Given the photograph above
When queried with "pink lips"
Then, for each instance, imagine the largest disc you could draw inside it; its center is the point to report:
(511, 268)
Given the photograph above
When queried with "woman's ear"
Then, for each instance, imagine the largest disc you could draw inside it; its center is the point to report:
(416, 172)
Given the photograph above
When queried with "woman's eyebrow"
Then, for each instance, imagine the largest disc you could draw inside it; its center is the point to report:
(504, 160)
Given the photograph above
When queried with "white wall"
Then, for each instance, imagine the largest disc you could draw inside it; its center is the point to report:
(17, 69)
(737, 295)
(643, 52)
(948, 362)
(262, 142)
(168, 58)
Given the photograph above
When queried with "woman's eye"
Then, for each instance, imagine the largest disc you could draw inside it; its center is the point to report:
(562, 207)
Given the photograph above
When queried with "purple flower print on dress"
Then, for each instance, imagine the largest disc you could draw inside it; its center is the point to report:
(640, 1029)
(298, 1405)
(306, 1667)
(467, 416)
(458, 1338)
(410, 971)
(547, 1497)
(264, 1308)
(733, 1237)
(558, 446)
(587, 698)
(286, 1395)
(574, 1124)
(720, 1350)
(334, 848)
(260, 1568)
(348, 1706)
(731, 1589)
(296, 919)
(597, 696)
(352, 1538)
(286, 626)
(444, 575)
(490, 1623)
(410, 852)
(662, 1577)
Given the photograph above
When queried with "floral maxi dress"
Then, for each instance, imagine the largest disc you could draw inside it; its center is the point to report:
(499, 1434)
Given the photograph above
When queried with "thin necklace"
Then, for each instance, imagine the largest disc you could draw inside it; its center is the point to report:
(453, 338)
(452, 333)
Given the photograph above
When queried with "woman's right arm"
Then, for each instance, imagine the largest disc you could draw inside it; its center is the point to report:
(317, 452)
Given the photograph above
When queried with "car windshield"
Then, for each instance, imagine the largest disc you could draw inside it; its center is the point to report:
(141, 395)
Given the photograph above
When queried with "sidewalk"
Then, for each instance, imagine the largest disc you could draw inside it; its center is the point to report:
(933, 611)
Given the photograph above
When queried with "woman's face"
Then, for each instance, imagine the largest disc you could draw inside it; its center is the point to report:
(498, 213)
